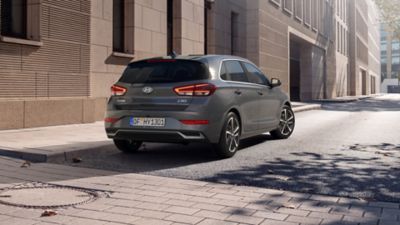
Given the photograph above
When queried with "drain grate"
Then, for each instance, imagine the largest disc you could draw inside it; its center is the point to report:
(47, 196)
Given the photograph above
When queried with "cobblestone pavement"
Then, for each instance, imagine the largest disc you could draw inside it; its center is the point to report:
(143, 199)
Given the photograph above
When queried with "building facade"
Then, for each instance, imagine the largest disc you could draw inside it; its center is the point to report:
(364, 48)
(59, 58)
(390, 61)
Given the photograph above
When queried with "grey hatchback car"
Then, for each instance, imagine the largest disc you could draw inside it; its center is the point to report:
(200, 98)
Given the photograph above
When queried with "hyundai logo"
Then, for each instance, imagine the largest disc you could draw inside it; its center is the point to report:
(147, 90)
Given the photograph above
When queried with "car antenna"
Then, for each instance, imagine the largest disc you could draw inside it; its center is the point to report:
(173, 54)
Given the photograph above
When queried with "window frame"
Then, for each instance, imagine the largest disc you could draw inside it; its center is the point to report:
(243, 68)
(8, 14)
(223, 63)
(127, 30)
(32, 17)
(290, 10)
(260, 74)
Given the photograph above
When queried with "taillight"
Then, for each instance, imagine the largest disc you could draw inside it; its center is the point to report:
(117, 90)
(111, 120)
(196, 90)
(194, 122)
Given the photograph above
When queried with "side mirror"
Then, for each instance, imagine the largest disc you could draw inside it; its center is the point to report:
(275, 82)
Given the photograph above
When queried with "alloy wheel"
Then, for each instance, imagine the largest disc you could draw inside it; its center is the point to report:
(232, 134)
(286, 124)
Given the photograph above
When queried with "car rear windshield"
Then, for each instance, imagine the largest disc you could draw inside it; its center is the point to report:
(164, 71)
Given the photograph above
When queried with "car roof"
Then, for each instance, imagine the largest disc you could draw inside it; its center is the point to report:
(202, 58)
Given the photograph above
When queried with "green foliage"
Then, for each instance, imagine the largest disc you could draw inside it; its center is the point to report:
(390, 12)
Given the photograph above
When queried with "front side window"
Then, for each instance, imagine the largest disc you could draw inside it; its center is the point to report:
(235, 71)
(13, 18)
(255, 75)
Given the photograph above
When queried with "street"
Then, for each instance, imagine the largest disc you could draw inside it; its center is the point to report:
(345, 149)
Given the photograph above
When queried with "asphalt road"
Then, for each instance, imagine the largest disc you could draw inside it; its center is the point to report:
(349, 149)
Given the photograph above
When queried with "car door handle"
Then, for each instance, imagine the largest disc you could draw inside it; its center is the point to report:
(260, 93)
(238, 92)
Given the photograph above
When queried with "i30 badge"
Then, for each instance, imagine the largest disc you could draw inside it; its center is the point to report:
(147, 90)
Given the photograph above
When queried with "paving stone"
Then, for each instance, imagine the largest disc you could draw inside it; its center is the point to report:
(215, 222)
(206, 206)
(184, 218)
(385, 205)
(180, 203)
(324, 198)
(147, 221)
(211, 215)
(123, 210)
(238, 211)
(273, 222)
(296, 212)
(19, 221)
(389, 222)
(152, 214)
(323, 215)
(152, 206)
(360, 219)
(181, 210)
(304, 220)
(245, 219)
(177, 196)
(271, 215)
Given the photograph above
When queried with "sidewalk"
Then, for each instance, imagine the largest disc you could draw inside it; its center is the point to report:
(149, 200)
(345, 99)
(63, 143)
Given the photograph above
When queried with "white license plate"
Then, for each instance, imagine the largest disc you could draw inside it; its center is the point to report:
(147, 122)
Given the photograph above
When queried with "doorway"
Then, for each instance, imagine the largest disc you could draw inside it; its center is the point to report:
(364, 82)
(295, 80)
(295, 70)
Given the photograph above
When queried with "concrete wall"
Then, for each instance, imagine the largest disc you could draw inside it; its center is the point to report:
(219, 27)
(278, 26)
(188, 26)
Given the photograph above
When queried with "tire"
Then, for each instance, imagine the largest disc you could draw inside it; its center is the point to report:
(286, 124)
(229, 140)
(127, 146)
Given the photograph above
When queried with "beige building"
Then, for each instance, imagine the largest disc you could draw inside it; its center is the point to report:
(59, 58)
(364, 45)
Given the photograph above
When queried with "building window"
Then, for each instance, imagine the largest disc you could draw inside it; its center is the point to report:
(170, 27)
(13, 18)
(314, 13)
(307, 12)
(123, 26)
(118, 25)
(288, 6)
(337, 37)
(298, 10)
(234, 32)
(276, 2)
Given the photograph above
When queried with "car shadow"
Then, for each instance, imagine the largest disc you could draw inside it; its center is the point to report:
(156, 156)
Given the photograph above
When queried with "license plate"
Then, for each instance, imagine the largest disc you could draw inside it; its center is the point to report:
(147, 122)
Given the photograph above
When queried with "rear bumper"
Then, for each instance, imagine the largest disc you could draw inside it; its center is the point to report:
(165, 136)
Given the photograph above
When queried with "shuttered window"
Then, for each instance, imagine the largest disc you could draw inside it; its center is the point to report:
(13, 18)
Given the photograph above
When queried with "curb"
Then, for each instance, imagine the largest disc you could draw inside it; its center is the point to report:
(306, 108)
(58, 157)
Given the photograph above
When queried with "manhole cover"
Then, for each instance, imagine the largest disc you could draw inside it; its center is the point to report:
(41, 195)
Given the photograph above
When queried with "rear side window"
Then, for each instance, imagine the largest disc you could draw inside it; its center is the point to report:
(164, 71)
(235, 71)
